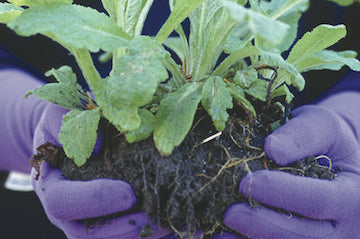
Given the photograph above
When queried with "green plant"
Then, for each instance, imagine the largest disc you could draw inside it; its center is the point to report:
(139, 97)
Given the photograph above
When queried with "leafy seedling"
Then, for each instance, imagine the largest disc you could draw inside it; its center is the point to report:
(205, 110)
(236, 51)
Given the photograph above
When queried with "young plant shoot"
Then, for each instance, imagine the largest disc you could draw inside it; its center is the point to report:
(137, 97)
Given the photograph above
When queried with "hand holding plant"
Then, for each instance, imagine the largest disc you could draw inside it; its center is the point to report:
(67, 203)
(239, 62)
(329, 207)
(138, 99)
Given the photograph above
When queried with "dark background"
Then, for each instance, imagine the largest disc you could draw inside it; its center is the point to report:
(22, 215)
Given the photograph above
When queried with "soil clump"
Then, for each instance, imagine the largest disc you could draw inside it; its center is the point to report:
(192, 188)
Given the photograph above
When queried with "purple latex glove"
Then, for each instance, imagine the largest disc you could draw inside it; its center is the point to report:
(26, 124)
(18, 119)
(67, 202)
(331, 207)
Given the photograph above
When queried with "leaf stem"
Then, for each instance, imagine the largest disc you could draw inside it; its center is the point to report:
(233, 58)
(178, 77)
(285, 8)
(142, 17)
(86, 64)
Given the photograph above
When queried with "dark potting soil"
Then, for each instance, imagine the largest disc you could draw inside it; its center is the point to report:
(190, 189)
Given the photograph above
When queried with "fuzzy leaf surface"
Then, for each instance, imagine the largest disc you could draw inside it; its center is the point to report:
(63, 74)
(65, 95)
(9, 12)
(175, 117)
(181, 10)
(78, 134)
(331, 60)
(245, 78)
(258, 89)
(239, 96)
(123, 117)
(211, 24)
(31, 3)
(129, 14)
(283, 91)
(279, 8)
(176, 44)
(344, 2)
(146, 127)
(216, 99)
(287, 72)
(320, 38)
(271, 31)
(289, 12)
(71, 25)
(132, 83)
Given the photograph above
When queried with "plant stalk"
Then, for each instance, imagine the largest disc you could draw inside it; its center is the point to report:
(233, 58)
(86, 64)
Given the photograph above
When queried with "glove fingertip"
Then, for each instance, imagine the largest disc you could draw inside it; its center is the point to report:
(88, 199)
(272, 147)
(277, 150)
(236, 215)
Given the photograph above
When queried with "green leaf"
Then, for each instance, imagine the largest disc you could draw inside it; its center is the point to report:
(65, 95)
(235, 57)
(344, 2)
(263, 27)
(259, 89)
(78, 134)
(182, 9)
(312, 42)
(239, 38)
(289, 12)
(216, 99)
(245, 78)
(287, 72)
(124, 118)
(175, 117)
(293, 21)
(211, 24)
(331, 60)
(71, 25)
(176, 44)
(63, 74)
(132, 83)
(279, 8)
(283, 91)
(9, 12)
(130, 15)
(146, 127)
(136, 76)
(182, 35)
(239, 96)
(31, 3)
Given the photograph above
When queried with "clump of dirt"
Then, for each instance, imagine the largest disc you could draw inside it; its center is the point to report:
(192, 188)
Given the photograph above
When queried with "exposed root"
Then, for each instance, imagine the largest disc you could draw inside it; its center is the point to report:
(215, 177)
(327, 158)
(301, 171)
(231, 162)
(246, 132)
(236, 161)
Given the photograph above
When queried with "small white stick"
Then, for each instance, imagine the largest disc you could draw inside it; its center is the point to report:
(211, 137)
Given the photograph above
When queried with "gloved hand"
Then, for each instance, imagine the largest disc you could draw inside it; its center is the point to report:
(67, 202)
(18, 119)
(331, 208)
(26, 124)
